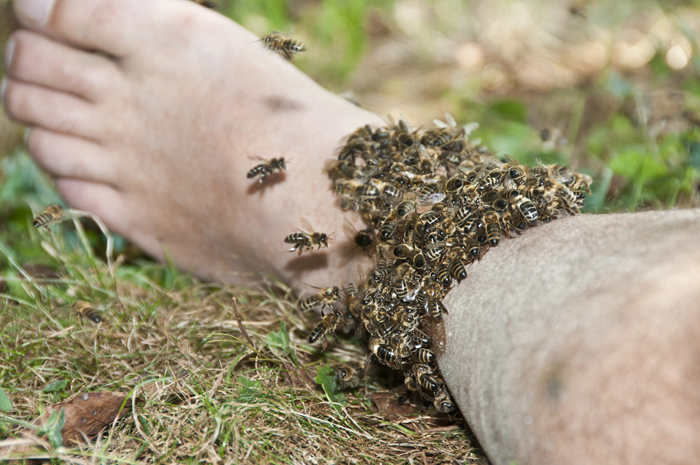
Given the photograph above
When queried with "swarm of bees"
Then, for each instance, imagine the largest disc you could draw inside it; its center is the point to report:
(434, 203)
(285, 46)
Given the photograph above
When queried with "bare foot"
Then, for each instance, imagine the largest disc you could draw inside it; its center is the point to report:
(154, 134)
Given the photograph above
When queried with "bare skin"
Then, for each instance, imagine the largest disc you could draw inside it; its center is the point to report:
(166, 172)
(581, 344)
(156, 140)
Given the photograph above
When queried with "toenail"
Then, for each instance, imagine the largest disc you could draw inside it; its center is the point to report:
(9, 53)
(3, 87)
(26, 134)
(34, 12)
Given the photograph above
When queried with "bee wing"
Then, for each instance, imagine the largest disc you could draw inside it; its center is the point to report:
(450, 120)
(257, 158)
(350, 229)
(306, 226)
(36, 207)
(440, 124)
(469, 128)
(432, 199)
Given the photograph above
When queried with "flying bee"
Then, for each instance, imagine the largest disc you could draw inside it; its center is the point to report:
(347, 376)
(323, 298)
(266, 168)
(52, 214)
(86, 310)
(328, 324)
(307, 239)
(364, 239)
(492, 227)
(283, 45)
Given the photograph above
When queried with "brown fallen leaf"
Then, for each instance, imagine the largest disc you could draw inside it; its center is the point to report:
(388, 405)
(88, 413)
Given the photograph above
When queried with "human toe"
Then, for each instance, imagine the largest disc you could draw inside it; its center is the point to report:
(72, 157)
(33, 58)
(114, 27)
(47, 108)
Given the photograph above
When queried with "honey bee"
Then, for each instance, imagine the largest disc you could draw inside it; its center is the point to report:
(347, 376)
(386, 231)
(328, 324)
(577, 181)
(266, 168)
(340, 169)
(457, 270)
(435, 306)
(423, 355)
(323, 298)
(384, 353)
(364, 239)
(52, 214)
(283, 45)
(86, 310)
(307, 240)
(426, 380)
(492, 227)
(405, 140)
(387, 189)
(454, 185)
(405, 208)
(526, 207)
(443, 402)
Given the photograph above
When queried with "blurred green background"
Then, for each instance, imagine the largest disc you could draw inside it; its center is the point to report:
(614, 85)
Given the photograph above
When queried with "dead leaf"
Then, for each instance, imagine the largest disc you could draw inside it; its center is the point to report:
(88, 413)
(387, 404)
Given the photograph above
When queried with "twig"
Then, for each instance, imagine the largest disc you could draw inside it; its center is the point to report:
(241, 327)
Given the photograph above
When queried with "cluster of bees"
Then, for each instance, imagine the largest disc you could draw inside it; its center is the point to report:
(433, 204)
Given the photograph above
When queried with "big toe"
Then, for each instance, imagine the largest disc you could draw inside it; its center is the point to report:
(110, 26)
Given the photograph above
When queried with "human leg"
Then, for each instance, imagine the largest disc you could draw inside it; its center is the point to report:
(156, 137)
(578, 342)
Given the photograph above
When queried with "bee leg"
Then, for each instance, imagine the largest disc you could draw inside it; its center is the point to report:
(300, 250)
(325, 343)
(335, 337)
(287, 55)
